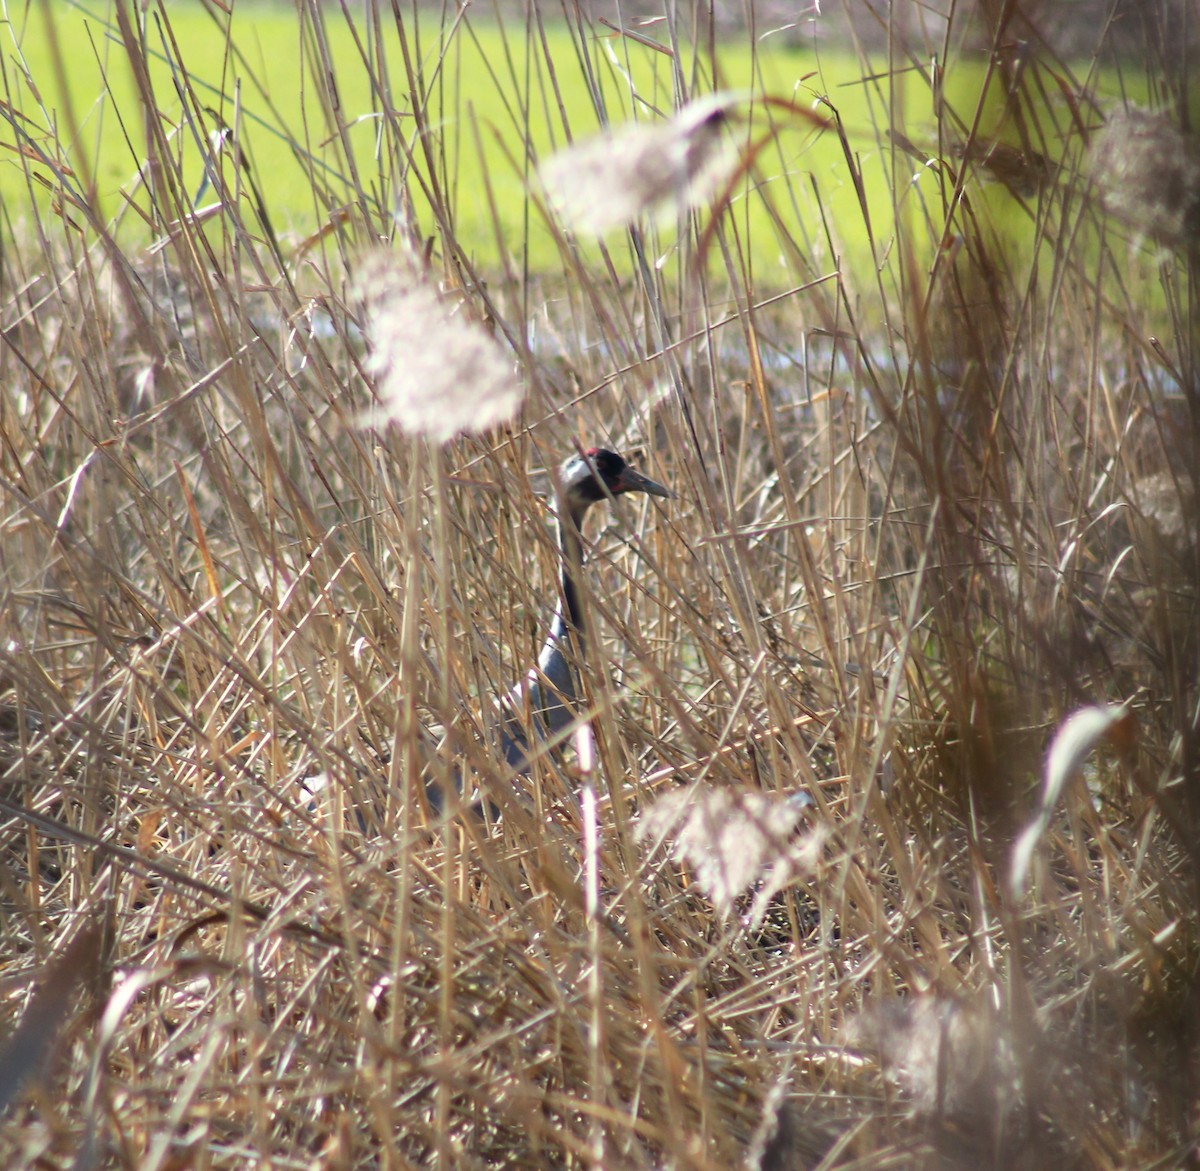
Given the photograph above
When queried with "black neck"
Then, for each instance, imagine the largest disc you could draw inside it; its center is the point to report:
(568, 617)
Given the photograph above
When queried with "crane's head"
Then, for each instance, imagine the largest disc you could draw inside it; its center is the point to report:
(589, 478)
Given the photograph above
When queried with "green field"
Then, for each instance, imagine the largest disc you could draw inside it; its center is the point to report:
(495, 98)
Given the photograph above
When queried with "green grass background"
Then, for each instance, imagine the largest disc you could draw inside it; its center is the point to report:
(491, 88)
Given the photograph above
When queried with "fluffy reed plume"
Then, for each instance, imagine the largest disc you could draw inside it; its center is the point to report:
(1166, 508)
(946, 1055)
(659, 169)
(438, 374)
(734, 840)
(1147, 172)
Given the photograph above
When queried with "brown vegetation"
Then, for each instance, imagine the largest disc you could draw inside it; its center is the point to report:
(924, 513)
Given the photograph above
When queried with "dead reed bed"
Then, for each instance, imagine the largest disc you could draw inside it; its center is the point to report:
(927, 508)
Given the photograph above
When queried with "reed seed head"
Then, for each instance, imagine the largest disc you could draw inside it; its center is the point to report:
(618, 177)
(438, 373)
(736, 840)
(1147, 172)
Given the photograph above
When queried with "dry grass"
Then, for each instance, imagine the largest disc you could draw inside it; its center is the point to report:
(924, 512)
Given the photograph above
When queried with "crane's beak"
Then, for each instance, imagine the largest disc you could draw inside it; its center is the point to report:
(632, 481)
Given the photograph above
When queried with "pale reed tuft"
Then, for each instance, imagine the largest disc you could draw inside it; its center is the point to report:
(737, 842)
(438, 374)
(658, 169)
(949, 1056)
(1147, 172)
